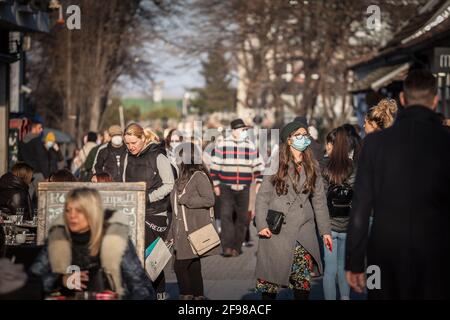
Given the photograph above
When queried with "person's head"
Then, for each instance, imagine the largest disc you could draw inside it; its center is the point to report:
(190, 161)
(173, 139)
(381, 116)
(83, 212)
(355, 140)
(295, 141)
(152, 135)
(23, 171)
(106, 136)
(239, 129)
(116, 134)
(36, 128)
(50, 140)
(339, 148)
(91, 137)
(102, 177)
(136, 138)
(420, 88)
(62, 175)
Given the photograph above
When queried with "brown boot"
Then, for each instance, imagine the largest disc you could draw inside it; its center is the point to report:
(228, 252)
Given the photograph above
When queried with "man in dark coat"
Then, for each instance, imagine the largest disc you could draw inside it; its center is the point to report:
(32, 150)
(404, 177)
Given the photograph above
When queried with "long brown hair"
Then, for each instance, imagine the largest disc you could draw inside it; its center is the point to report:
(340, 165)
(280, 179)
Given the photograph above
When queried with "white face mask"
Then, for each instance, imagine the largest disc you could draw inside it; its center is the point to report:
(49, 144)
(117, 140)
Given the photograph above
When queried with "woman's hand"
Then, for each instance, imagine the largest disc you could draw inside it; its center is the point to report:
(266, 233)
(84, 278)
(217, 191)
(328, 242)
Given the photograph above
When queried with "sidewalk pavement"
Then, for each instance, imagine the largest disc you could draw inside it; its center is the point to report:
(234, 278)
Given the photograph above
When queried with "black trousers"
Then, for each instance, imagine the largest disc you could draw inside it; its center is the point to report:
(156, 226)
(233, 232)
(189, 276)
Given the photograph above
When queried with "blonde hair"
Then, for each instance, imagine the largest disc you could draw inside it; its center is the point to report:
(23, 171)
(383, 113)
(136, 130)
(90, 203)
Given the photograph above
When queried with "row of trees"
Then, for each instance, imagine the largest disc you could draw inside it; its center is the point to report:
(315, 41)
(73, 71)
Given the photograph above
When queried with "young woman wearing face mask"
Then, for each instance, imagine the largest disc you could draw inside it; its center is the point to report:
(146, 161)
(110, 156)
(296, 190)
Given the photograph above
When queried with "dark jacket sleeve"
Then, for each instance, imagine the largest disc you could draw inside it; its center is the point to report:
(41, 268)
(205, 194)
(41, 156)
(136, 282)
(319, 203)
(99, 160)
(362, 205)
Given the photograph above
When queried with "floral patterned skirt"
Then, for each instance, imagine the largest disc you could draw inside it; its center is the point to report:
(300, 277)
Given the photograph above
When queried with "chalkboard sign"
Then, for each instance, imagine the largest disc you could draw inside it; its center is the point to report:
(129, 198)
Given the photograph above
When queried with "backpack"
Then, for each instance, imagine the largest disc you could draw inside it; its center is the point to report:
(339, 200)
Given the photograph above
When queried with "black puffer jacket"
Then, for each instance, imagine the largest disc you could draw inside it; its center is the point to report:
(153, 167)
(32, 151)
(14, 195)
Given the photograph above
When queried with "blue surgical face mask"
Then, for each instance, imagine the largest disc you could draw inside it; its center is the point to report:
(300, 143)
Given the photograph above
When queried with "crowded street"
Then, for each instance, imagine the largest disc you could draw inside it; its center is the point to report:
(244, 151)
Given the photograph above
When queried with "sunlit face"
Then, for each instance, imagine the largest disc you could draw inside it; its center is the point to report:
(134, 144)
(76, 219)
(369, 126)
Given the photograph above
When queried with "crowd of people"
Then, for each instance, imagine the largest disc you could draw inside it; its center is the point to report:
(328, 209)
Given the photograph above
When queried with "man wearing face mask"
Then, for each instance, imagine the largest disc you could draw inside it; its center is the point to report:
(110, 156)
(54, 153)
(235, 163)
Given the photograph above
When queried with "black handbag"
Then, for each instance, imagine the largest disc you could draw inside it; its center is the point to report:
(275, 220)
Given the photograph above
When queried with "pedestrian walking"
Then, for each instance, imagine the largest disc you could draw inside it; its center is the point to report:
(110, 156)
(403, 176)
(288, 206)
(338, 171)
(146, 161)
(54, 153)
(235, 164)
(81, 171)
(194, 191)
(97, 242)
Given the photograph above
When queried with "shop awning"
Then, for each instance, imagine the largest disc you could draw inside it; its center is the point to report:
(380, 77)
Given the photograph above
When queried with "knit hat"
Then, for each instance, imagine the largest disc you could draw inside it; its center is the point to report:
(291, 127)
(91, 136)
(50, 137)
(115, 130)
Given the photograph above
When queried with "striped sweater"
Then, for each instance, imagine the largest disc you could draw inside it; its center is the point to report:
(235, 163)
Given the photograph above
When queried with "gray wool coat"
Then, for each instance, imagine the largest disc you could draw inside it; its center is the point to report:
(197, 199)
(276, 254)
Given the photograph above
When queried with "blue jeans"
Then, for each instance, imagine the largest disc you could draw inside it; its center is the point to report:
(334, 264)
